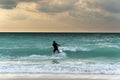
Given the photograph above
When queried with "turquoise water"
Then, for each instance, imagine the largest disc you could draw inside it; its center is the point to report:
(93, 53)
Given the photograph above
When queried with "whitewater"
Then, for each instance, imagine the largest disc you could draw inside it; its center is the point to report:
(83, 53)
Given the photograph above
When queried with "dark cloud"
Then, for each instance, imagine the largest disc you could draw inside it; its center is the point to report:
(112, 6)
(7, 4)
(52, 6)
(47, 6)
(10, 4)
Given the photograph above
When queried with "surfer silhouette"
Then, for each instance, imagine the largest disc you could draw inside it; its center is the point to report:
(55, 46)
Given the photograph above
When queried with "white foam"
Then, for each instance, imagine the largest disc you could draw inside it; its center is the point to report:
(61, 68)
(74, 49)
(107, 45)
(61, 54)
(43, 57)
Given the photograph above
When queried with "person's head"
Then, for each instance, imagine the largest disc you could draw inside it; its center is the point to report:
(53, 41)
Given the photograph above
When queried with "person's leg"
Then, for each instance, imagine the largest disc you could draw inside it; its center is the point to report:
(54, 51)
(58, 51)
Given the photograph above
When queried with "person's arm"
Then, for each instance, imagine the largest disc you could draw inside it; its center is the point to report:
(58, 44)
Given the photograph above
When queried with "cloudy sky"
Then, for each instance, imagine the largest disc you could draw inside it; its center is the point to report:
(60, 15)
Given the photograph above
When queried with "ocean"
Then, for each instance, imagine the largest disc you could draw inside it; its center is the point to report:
(81, 53)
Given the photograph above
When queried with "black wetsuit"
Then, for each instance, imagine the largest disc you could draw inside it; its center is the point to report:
(55, 46)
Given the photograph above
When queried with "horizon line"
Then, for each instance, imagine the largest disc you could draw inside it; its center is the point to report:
(53, 32)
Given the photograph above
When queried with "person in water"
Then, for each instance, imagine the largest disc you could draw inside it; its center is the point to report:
(55, 46)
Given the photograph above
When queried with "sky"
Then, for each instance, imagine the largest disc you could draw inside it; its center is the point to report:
(59, 15)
